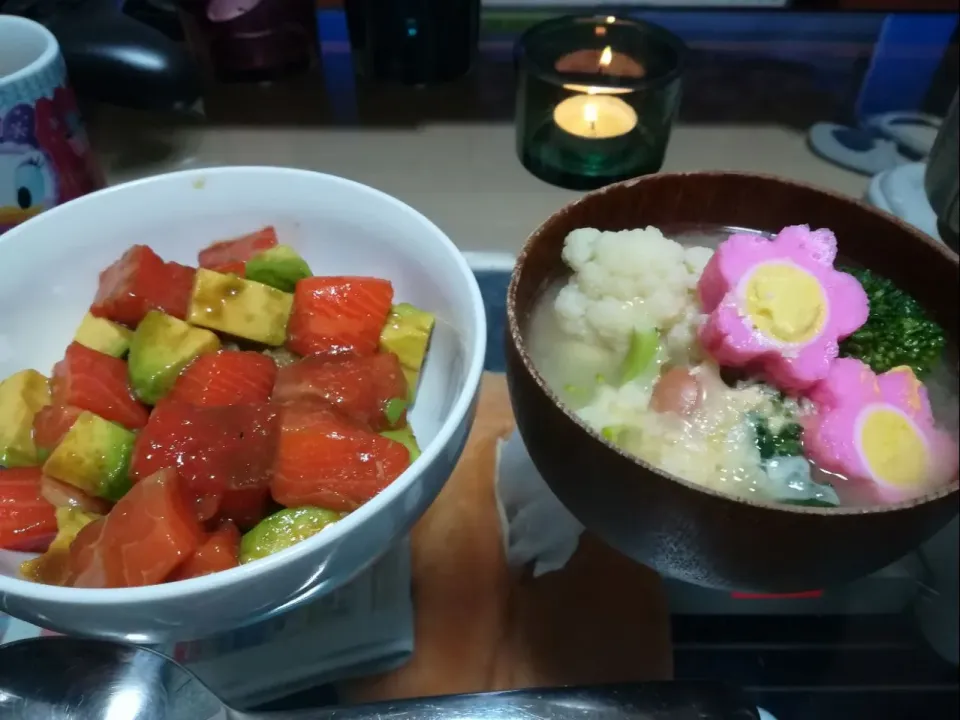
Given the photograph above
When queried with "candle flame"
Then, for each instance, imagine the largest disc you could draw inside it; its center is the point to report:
(590, 113)
(606, 57)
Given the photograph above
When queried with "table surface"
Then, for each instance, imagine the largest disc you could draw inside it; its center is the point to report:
(449, 152)
(481, 625)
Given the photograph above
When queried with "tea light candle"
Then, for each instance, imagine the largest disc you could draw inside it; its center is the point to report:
(602, 62)
(595, 116)
(595, 99)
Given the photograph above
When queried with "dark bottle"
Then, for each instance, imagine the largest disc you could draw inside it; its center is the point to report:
(252, 39)
(413, 42)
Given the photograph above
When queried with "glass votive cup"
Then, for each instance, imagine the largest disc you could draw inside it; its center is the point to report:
(596, 99)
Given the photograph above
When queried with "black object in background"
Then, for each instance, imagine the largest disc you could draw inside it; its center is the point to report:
(112, 57)
(413, 42)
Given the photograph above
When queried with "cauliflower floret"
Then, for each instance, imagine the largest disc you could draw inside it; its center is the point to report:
(578, 248)
(617, 406)
(680, 342)
(631, 280)
(696, 259)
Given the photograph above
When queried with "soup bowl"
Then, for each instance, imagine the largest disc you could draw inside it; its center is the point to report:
(676, 527)
(49, 276)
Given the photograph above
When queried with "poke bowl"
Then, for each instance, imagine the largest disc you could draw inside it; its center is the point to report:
(223, 392)
(738, 380)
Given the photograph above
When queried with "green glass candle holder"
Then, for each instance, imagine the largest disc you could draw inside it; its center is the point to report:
(596, 99)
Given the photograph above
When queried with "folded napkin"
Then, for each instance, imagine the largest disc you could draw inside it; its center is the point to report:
(535, 526)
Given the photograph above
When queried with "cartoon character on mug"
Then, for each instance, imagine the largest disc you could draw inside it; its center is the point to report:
(28, 183)
(45, 159)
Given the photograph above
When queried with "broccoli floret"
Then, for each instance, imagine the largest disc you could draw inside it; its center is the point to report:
(897, 332)
(785, 441)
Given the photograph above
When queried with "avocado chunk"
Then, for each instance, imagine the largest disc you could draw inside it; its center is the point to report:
(284, 529)
(393, 410)
(51, 566)
(405, 437)
(21, 396)
(93, 456)
(161, 348)
(240, 307)
(407, 335)
(103, 336)
(641, 355)
(279, 267)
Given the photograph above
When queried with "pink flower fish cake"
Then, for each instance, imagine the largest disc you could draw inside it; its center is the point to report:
(779, 306)
(877, 431)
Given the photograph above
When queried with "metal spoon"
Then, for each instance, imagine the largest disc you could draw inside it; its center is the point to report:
(75, 679)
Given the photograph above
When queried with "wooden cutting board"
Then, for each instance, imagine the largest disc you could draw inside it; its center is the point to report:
(482, 626)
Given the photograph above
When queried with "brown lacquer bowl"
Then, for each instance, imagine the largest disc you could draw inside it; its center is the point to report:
(677, 527)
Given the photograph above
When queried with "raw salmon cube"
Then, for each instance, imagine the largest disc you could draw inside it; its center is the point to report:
(216, 450)
(147, 535)
(230, 377)
(325, 460)
(334, 315)
(230, 256)
(370, 389)
(92, 381)
(28, 522)
(141, 281)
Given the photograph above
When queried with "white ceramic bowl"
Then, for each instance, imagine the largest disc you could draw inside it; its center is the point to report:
(48, 276)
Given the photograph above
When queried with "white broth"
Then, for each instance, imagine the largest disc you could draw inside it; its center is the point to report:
(684, 415)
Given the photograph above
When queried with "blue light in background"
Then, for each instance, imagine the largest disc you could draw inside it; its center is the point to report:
(909, 50)
(338, 72)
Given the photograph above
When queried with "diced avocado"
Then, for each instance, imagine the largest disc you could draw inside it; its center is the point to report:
(50, 567)
(393, 410)
(21, 396)
(404, 436)
(161, 348)
(103, 336)
(641, 355)
(284, 529)
(407, 335)
(246, 309)
(279, 267)
(93, 456)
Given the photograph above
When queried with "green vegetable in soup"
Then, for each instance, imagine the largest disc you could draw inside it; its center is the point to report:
(613, 433)
(641, 355)
(284, 529)
(783, 441)
(778, 434)
(898, 330)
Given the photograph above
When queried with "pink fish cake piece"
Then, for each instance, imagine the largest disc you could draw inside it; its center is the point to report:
(779, 305)
(878, 431)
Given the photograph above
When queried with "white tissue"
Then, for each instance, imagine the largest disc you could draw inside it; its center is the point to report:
(535, 526)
